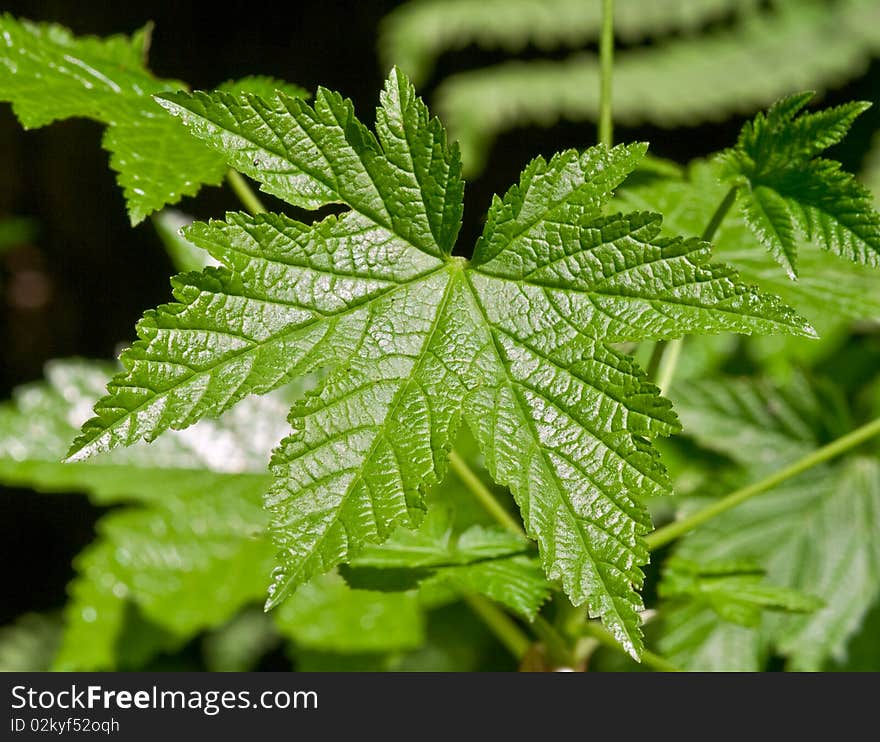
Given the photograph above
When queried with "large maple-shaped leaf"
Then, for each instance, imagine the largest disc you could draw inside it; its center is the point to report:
(415, 339)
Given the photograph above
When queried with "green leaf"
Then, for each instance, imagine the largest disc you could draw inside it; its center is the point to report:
(489, 561)
(828, 290)
(818, 533)
(49, 75)
(783, 183)
(735, 590)
(94, 617)
(191, 553)
(328, 615)
(414, 340)
(238, 645)
(695, 638)
(407, 181)
(766, 214)
(435, 545)
(189, 562)
(759, 424)
(36, 426)
(517, 582)
(29, 644)
(730, 69)
(416, 33)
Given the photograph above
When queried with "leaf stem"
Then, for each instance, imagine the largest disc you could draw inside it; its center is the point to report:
(244, 192)
(663, 362)
(470, 479)
(668, 364)
(606, 63)
(650, 659)
(718, 216)
(654, 361)
(558, 650)
(500, 624)
(663, 536)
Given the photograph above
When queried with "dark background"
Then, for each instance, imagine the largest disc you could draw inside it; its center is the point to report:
(78, 287)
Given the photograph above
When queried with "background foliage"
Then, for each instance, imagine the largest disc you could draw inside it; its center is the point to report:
(76, 277)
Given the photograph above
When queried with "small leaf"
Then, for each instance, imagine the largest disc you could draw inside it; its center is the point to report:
(49, 75)
(516, 582)
(829, 289)
(787, 185)
(735, 590)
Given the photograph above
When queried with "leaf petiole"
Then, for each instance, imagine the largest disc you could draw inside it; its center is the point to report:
(502, 625)
(470, 479)
(244, 192)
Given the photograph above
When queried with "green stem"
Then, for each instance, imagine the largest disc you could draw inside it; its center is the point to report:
(483, 494)
(664, 535)
(247, 197)
(504, 627)
(606, 63)
(652, 660)
(668, 364)
(654, 361)
(718, 216)
(558, 650)
(663, 361)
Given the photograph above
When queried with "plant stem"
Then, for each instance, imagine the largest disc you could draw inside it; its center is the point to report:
(244, 192)
(606, 62)
(718, 216)
(663, 361)
(668, 364)
(664, 535)
(648, 657)
(559, 652)
(483, 494)
(654, 361)
(504, 627)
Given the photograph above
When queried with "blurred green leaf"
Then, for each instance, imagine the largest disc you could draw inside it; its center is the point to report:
(327, 615)
(416, 33)
(793, 45)
(29, 644)
(735, 590)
